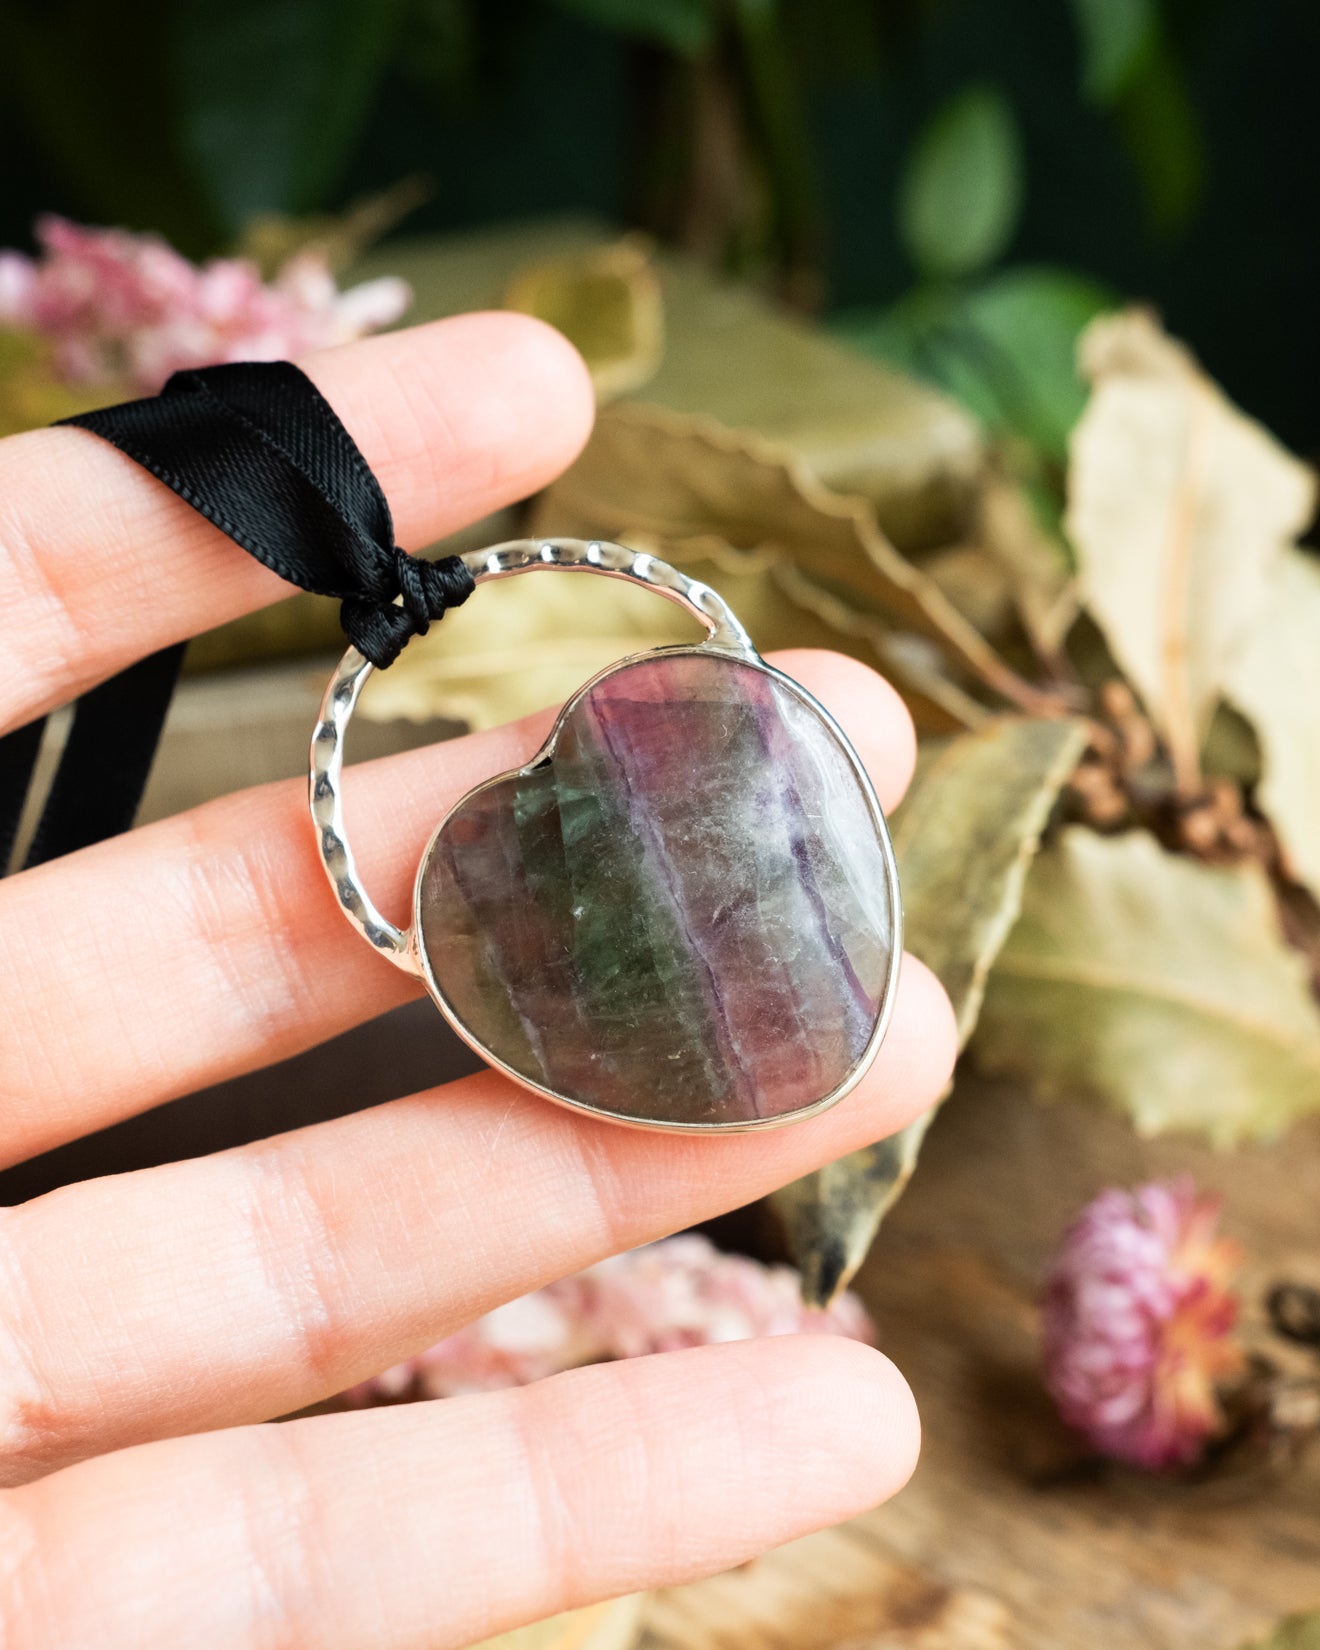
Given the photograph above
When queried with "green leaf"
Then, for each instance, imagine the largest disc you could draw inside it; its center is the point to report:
(1162, 133)
(1295, 1633)
(964, 836)
(1114, 35)
(273, 95)
(1276, 684)
(111, 136)
(1025, 324)
(1006, 348)
(1179, 507)
(962, 190)
(685, 26)
(925, 333)
(440, 50)
(1158, 985)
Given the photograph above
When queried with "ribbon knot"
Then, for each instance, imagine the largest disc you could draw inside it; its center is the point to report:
(255, 448)
(259, 451)
(379, 627)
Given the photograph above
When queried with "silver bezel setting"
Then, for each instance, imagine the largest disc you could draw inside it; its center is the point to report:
(727, 639)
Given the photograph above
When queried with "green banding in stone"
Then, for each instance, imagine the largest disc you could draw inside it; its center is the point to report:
(660, 882)
(628, 952)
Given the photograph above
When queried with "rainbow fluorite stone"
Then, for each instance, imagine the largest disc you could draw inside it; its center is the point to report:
(684, 913)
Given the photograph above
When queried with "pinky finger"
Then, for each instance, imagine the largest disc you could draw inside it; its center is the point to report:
(431, 1525)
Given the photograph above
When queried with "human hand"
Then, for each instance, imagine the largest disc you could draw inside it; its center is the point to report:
(141, 1314)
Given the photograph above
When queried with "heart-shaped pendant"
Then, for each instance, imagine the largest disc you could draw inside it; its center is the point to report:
(682, 913)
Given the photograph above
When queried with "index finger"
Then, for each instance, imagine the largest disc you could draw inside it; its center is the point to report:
(101, 564)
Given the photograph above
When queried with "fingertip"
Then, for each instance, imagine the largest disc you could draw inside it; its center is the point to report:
(550, 373)
(850, 1409)
(562, 361)
(462, 416)
(761, 1441)
(887, 1429)
(934, 1027)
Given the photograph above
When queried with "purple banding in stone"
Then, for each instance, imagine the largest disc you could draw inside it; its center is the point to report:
(684, 915)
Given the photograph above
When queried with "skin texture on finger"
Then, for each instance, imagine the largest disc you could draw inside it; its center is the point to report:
(100, 563)
(257, 1281)
(211, 944)
(433, 1525)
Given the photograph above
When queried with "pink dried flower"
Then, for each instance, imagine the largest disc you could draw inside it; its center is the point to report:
(676, 1293)
(18, 279)
(1138, 1319)
(125, 307)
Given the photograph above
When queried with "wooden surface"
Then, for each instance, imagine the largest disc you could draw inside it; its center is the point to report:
(999, 1543)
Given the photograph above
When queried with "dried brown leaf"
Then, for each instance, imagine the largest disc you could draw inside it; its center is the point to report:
(532, 642)
(978, 585)
(687, 482)
(31, 395)
(964, 836)
(1296, 1633)
(781, 608)
(271, 238)
(1043, 583)
(735, 355)
(614, 1625)
(607, 302)
(1276, 685)
(1158, 985)
(529, 642)
(1179, 507)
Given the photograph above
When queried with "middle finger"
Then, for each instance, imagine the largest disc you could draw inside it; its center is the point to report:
(221, 920)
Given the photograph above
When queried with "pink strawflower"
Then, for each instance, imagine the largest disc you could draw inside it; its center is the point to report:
(18, 279)
(1138, 1321)
(676, 1293)
(126, 308)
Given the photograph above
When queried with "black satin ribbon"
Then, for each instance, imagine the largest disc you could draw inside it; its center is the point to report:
(256, 449)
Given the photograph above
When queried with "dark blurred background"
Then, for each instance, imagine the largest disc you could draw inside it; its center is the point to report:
(943, 178)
